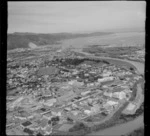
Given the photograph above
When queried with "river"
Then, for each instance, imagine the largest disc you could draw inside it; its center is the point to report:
(140, 66)
(121, 129)
(129, 126)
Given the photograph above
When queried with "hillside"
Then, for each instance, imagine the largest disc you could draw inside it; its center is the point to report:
(22, 40)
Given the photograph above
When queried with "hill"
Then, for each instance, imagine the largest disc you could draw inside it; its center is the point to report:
(22, 40)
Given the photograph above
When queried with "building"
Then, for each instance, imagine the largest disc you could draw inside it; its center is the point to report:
(107, 74)
(26, 123)
(75, 83)
(105, 79)
(50, 102)
(130, 109)
(120, 95)
(95, 108)
(16, 102)
(88, 112)
(107, 94)
(85, 93)
(112, 103)
(75, 113)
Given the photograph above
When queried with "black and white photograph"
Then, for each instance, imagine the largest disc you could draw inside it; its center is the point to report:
(75, 68)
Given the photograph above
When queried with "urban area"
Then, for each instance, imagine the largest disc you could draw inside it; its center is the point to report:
(69, 93)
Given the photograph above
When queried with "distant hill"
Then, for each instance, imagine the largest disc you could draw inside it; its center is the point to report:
(22, 40)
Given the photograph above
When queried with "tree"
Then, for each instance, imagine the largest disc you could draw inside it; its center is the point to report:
(78, 126)
(69, 119)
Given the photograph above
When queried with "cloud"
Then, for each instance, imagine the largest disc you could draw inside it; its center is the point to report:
(71, 16)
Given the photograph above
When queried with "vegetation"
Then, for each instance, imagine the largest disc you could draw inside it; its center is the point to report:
(110, 122)
(134, 92)
(96, 118)
(27, 130)
(138, 132)
(70, 120)
(77, 61)
(21, 40)
(79, 127)
(131, 117)
(83, 129)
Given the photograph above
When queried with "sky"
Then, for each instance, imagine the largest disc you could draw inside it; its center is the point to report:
(77, 16)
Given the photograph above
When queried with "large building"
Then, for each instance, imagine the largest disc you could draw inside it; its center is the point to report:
(105, 79)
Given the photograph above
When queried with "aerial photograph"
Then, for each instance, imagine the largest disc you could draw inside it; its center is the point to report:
(76, 68)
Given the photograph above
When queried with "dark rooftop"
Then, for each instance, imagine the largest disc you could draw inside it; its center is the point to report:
(27, 123)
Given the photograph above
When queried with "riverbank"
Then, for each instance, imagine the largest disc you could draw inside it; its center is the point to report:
(140, 66)
(121, 129)
(128, 127)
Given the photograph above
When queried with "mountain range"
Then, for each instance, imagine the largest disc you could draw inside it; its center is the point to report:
(23, 40)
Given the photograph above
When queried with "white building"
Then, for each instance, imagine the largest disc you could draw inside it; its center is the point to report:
(131, 107)
(76, 83)
(85, 93)
(50, 102)
(88, 112)
(75, 112)
(112, 103)
(108, 94)
(127, 90)
(106, 74)
(121, 95)
(105, 79)
(90, 84)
